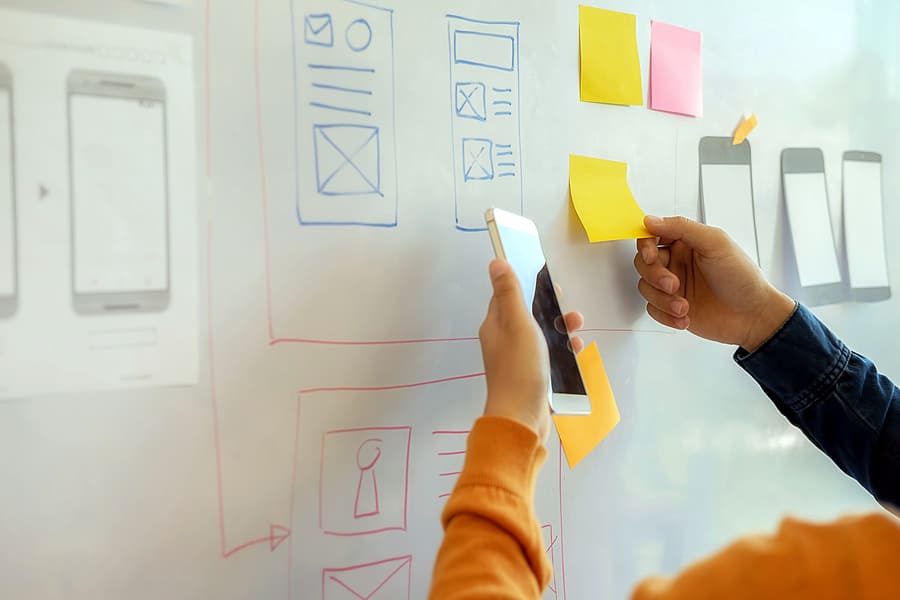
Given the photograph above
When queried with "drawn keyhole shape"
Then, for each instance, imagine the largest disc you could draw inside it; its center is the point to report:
(367, 455)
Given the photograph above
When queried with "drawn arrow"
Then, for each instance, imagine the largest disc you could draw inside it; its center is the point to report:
(277, 534)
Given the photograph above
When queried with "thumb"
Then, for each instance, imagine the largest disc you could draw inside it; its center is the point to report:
(507, 293)
(696, 235)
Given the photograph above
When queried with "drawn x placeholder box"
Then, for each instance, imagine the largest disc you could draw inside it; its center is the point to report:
(471, 101)
(388, 579)
(478, 159)
(318, 30)
(348, 159)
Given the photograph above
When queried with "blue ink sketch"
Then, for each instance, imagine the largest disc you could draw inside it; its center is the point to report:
(318, 30)
(478, 159)
(348, 159)
(358, 35)
(489, 50)
(471, 101)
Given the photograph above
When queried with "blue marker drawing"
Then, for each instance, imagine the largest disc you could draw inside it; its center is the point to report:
(484, 110)
(345, 114)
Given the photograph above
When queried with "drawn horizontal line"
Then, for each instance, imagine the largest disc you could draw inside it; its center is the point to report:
(625, 330)
(341, 68)
(450, 432)
(447, 495)
(453, 453)
(503, 145)
(506, 175)
(506, 164)
(502, 103)
(507, 153)
(449, 474)
(355, 111)
(384, 388)
(277, 341)
(503, 113)
(337, 88)
(502, 90)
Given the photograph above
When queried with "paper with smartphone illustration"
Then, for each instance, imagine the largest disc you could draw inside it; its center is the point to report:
(581, 434)
(603, 200)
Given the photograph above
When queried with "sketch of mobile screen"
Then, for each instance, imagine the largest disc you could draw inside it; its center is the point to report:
(516, 240)
(809, 219)
(119, 193)
(864, 239)
(8, 245)
(726, 191)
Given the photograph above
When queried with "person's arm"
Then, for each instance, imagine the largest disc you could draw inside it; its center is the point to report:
(842, 559)
(701, 281)
(492, 545)
(836, 397)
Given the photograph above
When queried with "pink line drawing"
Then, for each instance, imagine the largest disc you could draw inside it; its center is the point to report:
(454, 453)
(365, 581)
(367, 479)
(551, 544)
(562, 529)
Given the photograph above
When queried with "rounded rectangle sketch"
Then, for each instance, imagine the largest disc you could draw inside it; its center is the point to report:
(389, 578)
(364, 480)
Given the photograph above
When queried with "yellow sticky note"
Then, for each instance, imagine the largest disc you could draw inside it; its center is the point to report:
(580, 435)
(741, 132)
(610, 66)
(603, 200)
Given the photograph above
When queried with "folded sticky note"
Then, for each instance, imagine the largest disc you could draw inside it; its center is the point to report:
(610, 66)
(744, 128)
(581, 434)
(676, 70)
(603, 200)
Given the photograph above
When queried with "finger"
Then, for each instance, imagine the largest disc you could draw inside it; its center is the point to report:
(667, 303)
(648, 250)
(702, 237)
(657, 275)
(574, 321)
(667, 319)
(558, 291)
(507, 293)
(577, 344)
(665, 255)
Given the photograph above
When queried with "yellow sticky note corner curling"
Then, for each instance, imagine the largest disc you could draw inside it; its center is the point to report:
(581, 434)
(747, 124)
(603, 201)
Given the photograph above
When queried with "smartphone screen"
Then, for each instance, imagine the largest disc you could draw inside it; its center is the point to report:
(864, 224)
(523, 252)
(7, 212)
(807, 206)
(119, 187)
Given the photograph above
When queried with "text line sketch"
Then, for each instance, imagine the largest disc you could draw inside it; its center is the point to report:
(485, 118)
(386, 578)
(451, 452)
(344, 112)
(352, 462)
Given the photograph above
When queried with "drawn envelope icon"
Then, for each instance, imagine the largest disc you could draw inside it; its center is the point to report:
(471, 102)
(348, 159)
(387, 579)
(318, 30)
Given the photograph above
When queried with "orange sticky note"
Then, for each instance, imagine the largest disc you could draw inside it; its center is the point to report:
(746, 125)
(581, 434)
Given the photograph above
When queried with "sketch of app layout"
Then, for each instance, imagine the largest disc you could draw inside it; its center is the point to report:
(344, 114)
(485, 115)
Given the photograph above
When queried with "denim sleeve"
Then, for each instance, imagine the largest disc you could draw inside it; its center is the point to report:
(836, 397)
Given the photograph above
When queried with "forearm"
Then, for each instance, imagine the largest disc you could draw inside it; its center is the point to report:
(492, 545)
(836, 397)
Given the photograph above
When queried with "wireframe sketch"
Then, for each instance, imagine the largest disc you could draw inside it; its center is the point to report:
(364, 480)
(387, 579)
(484, 118)
(344, 113)
(551, 543)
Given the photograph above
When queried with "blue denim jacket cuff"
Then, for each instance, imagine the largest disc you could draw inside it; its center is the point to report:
(799, 363)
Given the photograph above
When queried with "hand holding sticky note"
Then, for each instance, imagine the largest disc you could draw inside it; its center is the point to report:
(603, 200)
(580, 435)
(610, 66)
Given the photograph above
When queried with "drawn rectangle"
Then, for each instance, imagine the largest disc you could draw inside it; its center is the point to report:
(487, 50)
(348, 160)
(487, 161)
(864, 236)
(386, 579)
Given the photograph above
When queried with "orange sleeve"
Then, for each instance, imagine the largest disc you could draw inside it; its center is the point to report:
(843, 559)
(492, 544)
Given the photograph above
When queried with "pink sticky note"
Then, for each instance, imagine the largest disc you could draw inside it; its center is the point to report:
(676, 70)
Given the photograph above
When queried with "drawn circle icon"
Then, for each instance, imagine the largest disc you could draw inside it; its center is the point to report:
(362, 464)
(359, 35)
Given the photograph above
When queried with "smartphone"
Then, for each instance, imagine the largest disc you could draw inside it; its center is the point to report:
(726, 191)
(9, 292)
(864, 238)
(118, 179)
(516, 240)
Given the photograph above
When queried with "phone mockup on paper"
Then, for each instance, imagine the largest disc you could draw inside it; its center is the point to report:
(809, 218)
(9, 280)
(864, 236)
(516, 239)
(118, 176)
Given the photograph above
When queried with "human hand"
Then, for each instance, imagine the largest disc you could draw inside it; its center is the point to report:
(703, 282)
(515, 357)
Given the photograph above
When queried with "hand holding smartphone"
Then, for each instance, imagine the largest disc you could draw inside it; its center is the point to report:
(516, 240)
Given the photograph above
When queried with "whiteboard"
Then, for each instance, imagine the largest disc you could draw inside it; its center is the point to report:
(214, 490)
